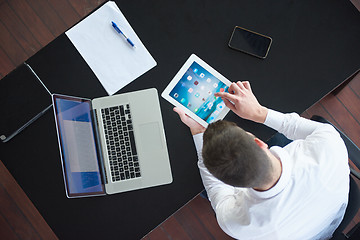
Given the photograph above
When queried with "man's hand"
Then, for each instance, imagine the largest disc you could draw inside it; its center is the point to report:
(243, 102)
(194, 126)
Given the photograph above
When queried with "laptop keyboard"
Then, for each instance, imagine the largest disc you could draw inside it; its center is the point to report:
(119, 134)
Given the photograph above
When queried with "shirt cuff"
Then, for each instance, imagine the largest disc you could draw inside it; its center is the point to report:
(274, 119)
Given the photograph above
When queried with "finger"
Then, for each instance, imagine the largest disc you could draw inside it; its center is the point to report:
(180, 112)
(240, 85)
(225, 95)
(234, 88)
(229, 104)
(247, 85)
(183, 116)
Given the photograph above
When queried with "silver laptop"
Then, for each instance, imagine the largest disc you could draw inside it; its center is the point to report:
(111, 144)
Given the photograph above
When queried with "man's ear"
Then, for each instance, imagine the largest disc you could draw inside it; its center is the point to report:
(260, 143)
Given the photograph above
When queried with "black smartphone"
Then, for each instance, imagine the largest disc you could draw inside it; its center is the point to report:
(250, 42)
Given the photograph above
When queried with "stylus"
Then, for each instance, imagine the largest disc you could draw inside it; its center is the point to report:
(6, 139)
(121, 32)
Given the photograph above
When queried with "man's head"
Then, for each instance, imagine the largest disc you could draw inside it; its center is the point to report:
(235, 156)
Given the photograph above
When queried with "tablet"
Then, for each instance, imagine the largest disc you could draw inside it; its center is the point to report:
(193, 88)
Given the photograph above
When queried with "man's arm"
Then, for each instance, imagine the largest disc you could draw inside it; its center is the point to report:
(242, 101)
(295, 127)
(216, 189)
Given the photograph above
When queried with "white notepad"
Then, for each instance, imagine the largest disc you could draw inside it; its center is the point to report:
(112, 59)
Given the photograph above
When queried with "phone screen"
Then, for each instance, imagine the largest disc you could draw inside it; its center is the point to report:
(250, 42)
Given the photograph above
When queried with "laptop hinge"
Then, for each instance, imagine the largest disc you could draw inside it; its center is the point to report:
(98, 146)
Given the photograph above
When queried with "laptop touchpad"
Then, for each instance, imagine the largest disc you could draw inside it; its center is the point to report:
(150, 137)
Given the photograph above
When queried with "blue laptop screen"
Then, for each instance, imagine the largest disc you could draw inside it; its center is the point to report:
(78, 146)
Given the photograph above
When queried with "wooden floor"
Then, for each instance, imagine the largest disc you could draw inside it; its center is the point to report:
(28, 25)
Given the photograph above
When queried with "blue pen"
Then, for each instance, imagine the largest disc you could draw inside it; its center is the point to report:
(119, 31)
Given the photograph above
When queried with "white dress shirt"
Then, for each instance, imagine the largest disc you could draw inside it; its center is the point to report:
(308, 201)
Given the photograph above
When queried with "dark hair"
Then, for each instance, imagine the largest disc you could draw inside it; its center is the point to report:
(232, 156)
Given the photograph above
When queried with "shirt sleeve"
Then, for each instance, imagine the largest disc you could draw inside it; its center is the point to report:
(320, 140)
(295, 127)
(217, 190)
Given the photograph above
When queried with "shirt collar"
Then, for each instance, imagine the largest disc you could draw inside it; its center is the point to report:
(284, 178)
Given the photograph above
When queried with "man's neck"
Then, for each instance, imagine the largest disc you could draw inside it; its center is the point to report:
(277, 171)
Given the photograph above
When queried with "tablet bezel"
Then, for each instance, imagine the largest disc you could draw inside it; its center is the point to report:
(166, 93)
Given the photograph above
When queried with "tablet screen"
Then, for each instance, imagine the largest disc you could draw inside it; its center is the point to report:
(195, 91)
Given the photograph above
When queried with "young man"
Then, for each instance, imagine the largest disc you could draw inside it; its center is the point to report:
(299, 191)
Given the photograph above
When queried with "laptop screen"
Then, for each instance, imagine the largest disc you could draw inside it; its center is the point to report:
(78, 149)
